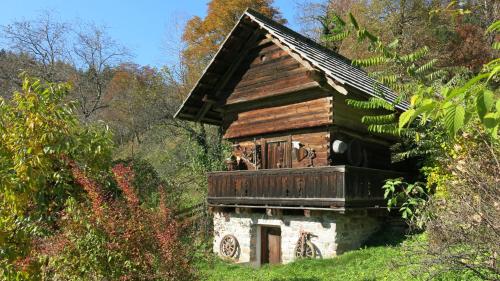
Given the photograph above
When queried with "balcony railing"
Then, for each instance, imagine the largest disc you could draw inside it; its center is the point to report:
(325, 187)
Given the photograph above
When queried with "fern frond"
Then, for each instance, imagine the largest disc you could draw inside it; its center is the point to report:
(363, 33)
(415, 56)
(426, 66)
(376, 74)
(336, 37)
(393, 45)
(378, 119)
(373, 61)
(438, 74)
(372, 103)
(388, 79)
(386, 129)
(493, 27)
(496, 46)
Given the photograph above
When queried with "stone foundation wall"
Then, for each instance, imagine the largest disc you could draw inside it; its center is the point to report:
(333, 233)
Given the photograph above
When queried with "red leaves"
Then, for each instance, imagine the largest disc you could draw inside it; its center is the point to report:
(123, 176)
(148, 238)
(92, 188)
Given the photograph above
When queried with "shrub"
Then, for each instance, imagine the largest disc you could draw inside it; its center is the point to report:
(115, 238)
(37, 126)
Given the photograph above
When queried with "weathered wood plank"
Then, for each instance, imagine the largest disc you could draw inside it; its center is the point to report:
(321, 186)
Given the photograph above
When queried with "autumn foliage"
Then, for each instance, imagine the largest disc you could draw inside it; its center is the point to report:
(134, 243)
(204, 36)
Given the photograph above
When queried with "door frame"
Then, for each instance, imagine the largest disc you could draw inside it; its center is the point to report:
(262, 240)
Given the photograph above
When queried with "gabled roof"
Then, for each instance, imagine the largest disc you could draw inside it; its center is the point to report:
(333, 65)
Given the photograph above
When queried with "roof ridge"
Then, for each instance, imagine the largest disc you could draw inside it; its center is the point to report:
(298, 35)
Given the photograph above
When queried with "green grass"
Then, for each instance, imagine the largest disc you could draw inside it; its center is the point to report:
(370, 263)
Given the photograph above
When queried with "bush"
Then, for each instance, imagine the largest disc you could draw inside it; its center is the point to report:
(115, 238)
(37, 127)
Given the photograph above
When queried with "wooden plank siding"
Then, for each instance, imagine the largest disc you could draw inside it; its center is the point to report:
(330, 187)
(267, 70)
(306, 114)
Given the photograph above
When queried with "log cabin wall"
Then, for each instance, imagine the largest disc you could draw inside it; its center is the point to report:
(273, 98)
(305, 114)
(267, 71)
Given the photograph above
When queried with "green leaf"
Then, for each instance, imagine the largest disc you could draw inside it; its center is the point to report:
(493, 72)
(490, 120)
(493, 27)
(454, 117)
(484, 102)
(406, 117)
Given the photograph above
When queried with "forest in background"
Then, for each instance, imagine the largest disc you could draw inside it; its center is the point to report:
(122, 113)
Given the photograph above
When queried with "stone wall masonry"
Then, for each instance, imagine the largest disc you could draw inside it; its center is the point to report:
(333, 233)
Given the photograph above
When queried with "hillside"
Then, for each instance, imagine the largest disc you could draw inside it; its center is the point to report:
(382, 262)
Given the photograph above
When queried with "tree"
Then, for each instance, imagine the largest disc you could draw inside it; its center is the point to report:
(453, 123)
(453, 39)
(204, 36)
(45, 40)
(138, 100)
(56, 51)
(96, 53)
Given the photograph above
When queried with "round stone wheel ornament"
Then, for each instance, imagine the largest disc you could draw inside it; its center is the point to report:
(229, 246)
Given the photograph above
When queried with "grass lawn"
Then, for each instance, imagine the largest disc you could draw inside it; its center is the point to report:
(370, 263)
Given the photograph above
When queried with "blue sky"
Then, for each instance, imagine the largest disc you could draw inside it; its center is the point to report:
(148, 28)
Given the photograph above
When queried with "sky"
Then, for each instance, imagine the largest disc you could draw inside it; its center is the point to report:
(149, 29)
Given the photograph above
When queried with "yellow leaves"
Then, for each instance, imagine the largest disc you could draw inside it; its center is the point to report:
(204, 36)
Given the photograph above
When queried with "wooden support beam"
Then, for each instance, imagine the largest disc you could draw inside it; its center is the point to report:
(335, 85)
(271, 212)
(242, 210)
(307, 213)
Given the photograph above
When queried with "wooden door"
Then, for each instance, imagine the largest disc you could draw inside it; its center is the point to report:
(278, 155)
(271, 245)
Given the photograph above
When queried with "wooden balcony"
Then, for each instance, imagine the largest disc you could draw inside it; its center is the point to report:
(335, 187)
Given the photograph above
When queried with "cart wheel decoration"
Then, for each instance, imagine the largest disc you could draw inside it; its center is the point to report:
(304, 247)
(229, 246)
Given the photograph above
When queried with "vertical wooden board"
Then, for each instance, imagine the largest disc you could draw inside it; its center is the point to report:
(210, 186)
(219, 184)
(289, 152)
(238, 185)
(341, 189)
(264, 250)
(298, 185)
(252, 189)
(246, 185)
(223, 185)
(259, 185)
(274, 248)
(263, 146)
(309, 185)
(324, 189)
(277, 186)
(317, 184)
(265, 186)
(285, 185)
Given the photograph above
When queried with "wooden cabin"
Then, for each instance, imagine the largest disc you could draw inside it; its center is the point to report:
(303, 166)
